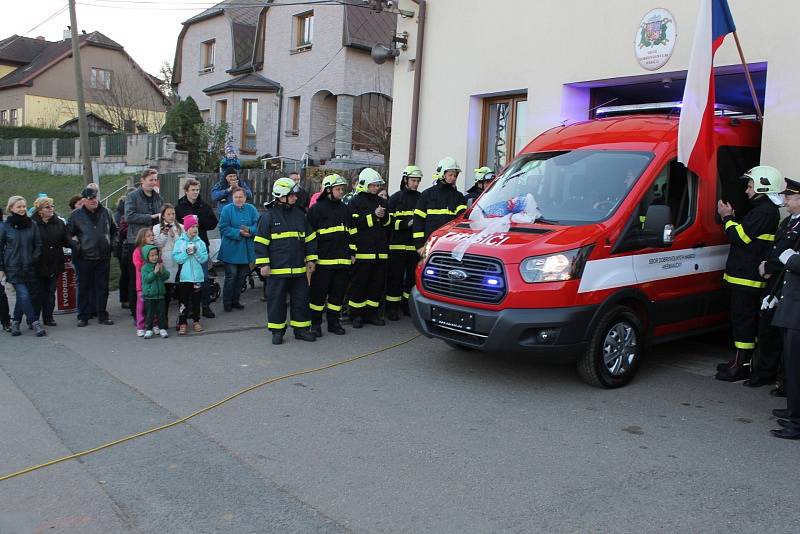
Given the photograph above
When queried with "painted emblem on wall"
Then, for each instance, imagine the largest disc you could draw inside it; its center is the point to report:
(655, 39)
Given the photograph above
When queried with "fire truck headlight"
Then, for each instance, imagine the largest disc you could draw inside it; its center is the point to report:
(555, 267)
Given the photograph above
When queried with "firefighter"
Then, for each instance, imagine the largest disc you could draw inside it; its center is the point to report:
(330, 218)
(770, 343)
(751, 238)
(285, 249)
(483, 177)
(403, 255)
(369, 219)
(439, 204)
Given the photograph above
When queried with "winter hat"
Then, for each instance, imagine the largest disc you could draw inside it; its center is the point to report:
(189, 221)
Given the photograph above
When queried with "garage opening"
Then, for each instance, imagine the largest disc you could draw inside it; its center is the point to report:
(732, 91)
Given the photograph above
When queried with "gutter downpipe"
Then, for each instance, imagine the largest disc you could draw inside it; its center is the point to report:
(412, 145)
(280, 119)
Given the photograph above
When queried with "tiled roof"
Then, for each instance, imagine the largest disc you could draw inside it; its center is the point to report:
(22, 50)
(243, 15)
(52, 53)
(247, 82)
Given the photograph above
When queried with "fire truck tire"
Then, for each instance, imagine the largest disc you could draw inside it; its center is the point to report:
(615, 350)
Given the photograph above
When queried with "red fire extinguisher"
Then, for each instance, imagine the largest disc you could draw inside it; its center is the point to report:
(67, 287)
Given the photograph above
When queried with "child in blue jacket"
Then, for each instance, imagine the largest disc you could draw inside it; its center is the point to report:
(190, 253)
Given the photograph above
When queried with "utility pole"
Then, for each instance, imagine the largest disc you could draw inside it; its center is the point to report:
(83, 127)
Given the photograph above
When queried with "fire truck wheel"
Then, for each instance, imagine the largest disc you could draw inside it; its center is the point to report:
(614, 351)
(459, 346)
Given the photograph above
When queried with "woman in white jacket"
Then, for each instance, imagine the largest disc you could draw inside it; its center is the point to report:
(166, 233)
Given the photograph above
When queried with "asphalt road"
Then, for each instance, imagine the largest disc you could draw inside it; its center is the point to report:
(420, 438)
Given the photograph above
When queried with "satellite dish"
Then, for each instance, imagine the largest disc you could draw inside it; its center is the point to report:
(380, 53)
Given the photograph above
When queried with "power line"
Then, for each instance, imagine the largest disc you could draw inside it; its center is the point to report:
(159, 5)
(48, 19)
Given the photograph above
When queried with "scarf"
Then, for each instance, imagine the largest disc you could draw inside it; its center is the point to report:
(19, 221)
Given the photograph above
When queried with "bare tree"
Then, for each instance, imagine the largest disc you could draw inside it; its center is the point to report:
(165, 74)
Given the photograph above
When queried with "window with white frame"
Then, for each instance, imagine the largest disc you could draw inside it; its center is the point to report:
(3, 117)
(12, 118)
(100, 79)
(304, 30)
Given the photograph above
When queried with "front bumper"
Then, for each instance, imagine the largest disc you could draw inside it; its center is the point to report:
(562, 331)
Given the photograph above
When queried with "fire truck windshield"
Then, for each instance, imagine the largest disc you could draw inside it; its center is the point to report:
(570, 188)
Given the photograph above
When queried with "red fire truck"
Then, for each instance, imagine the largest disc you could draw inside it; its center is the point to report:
(626, 249)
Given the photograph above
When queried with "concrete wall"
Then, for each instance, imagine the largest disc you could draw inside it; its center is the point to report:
(192, 82)
(540, 46)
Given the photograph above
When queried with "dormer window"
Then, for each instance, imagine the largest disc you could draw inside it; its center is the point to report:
(207, 56)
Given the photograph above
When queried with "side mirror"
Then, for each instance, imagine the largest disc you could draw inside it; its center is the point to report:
(658, 228)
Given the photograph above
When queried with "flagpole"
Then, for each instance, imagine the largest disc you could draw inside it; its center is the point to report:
(759, 115)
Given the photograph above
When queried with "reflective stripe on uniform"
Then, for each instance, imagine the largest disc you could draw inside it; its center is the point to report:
(406, 295)
(402, 247)
(276, 326)
(356, 304)
(316, 308)
(420, 213)
(300, 324)
(766, 237)
(262, 261)
(743, 281)
(311, 257)
(334, 307)
(311, 237)
(289, 270)
(390, 298)
(418, 235)
(353, 246)
(332, 229)
(284, 235)
(373, 304)
(739, 230)
(744, 345)
(262, 240)
(339, 261)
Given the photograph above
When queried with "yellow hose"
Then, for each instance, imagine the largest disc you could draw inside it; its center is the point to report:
(203, 410)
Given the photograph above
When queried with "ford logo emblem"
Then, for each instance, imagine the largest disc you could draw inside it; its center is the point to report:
(457, 274)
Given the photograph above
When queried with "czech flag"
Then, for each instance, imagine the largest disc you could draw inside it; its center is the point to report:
(696, 126)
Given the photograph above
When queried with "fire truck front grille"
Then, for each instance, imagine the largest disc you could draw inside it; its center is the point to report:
(474, 278)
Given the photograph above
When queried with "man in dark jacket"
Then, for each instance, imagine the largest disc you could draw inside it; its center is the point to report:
(787, 318)
(770, 339)
(370, 219)
(330, 219)
(403, 257)
(91, 230)
(439, 204)
(285, 247)
(142, 210)
(191, 204)
(221, 192)
(751, 238)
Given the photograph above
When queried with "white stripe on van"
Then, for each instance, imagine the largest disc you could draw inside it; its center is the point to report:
(639, 268)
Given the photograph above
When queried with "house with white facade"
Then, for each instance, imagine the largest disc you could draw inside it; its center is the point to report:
(294, 80)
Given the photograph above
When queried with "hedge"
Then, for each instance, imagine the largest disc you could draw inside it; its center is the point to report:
(30, 132)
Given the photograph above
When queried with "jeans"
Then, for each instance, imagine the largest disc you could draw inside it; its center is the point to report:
(24, 302)
(93, 288)
(235, 274)
(44, 298)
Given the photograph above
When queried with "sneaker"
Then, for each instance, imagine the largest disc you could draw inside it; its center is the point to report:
(197, 327)
(148, 334)
(182, 329)
(140, 333)
(237, 306)
(7, 327)
(163, 333)
(156, 331)
(207, 313)
(39, 329)
(15, 329)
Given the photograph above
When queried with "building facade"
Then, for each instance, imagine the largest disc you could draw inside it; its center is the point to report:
(526, 67)
(37, 86)
(294, 81)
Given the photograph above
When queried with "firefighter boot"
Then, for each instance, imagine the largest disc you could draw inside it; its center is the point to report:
(335, 327)
(277, 337)
(316, 330)
(740, 370)
(374, 319)
(392, 313)
(304, 334)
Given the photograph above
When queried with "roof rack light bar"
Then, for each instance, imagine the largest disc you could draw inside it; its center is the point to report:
(719, 109)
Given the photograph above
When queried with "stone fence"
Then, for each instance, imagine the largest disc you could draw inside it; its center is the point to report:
(110, 154)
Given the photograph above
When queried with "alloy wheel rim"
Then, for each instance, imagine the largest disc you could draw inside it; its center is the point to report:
(620, 348)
